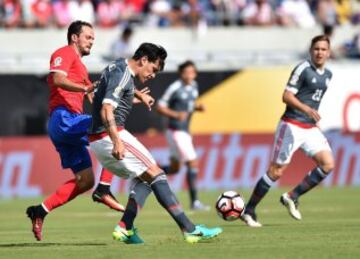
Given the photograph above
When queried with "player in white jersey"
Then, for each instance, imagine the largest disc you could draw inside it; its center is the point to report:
(298, 129)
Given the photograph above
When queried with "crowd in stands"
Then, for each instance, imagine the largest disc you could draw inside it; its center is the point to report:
(175, 13)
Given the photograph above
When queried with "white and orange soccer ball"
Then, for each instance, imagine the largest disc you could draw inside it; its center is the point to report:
(230, 205)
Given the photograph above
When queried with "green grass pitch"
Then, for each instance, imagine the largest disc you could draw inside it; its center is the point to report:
(330, 229)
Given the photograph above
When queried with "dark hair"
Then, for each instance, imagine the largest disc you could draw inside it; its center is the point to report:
(76, 28)
(127, 32)
(187, 63)
(153, 52)
(319, 38)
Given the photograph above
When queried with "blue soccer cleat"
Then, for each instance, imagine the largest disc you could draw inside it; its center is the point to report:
(201, 233)
(127, 236)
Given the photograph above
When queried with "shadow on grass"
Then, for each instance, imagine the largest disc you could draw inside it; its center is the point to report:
(49, 244)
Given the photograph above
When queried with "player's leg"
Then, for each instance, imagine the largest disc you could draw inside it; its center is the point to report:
(175, 156)
(139, 162)
(191, 177)
(125, 231)
(285, 145)
(317, 147)
(102, 193)
(68, 134)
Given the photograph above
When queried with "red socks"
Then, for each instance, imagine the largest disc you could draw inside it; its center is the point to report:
(106, 177)
(64, 194)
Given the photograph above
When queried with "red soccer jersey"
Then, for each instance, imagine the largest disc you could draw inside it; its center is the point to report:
(65, 60)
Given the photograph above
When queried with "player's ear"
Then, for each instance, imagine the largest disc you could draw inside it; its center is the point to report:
(74, 37)
(143, 60)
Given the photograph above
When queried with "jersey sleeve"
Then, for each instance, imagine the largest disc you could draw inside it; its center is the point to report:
(61, 61)
(115, 85)
(168, 94)
(297, 77)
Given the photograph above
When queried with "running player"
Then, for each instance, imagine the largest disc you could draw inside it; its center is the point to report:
(178, 104)
(69, 83)
(121, 153)
(298, 129)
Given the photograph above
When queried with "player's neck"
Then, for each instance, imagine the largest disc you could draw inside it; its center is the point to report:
(76, 50)
(132, 65)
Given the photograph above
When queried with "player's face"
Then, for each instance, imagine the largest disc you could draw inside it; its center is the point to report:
(85, 40)
(320, 52)
(188, 74)
(148, 69)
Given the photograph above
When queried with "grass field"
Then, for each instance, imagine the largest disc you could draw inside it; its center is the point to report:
(330, 229)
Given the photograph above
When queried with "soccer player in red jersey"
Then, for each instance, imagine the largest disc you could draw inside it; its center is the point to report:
(69, 83)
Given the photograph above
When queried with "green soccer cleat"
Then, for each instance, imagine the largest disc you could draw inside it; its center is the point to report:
(127, 236)
(201, 233)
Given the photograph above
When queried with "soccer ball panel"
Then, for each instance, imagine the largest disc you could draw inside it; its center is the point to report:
(230, 205)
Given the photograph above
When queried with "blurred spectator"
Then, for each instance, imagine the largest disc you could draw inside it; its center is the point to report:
(135, 6)
(62, 13)
(159, 11)
(42, 12)
(258, 13)
(295, 13)
(343, 11)
(12, 13)
(351, 49)
(82, 10)
(28, 19)
(121, 47)
(326, 15)
(355, 8)
(228, 11)
(109, 13)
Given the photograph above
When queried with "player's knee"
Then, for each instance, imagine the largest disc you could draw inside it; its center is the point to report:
(275, 171)
(328, 166)
(152, 172)
(85, 180)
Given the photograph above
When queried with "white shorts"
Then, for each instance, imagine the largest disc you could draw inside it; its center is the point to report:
(289, 137)
(137, 158)
(181, 145)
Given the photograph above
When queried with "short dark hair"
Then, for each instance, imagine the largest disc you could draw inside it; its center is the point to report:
(319, 38)
(187, 63)
(76, 28)
(153, 52)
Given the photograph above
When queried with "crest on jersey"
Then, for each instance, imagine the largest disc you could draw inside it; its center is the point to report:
(57, 62)
(184, 95)
(313, 80)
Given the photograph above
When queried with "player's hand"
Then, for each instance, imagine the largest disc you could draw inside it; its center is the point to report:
(200, 107)
(118, 151)
(145, 90)
(313, 114)
(148, 100)
(91, 88)
(181, 116)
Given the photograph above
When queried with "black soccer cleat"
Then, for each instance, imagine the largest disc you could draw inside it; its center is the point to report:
(108, 199)
(37, 221)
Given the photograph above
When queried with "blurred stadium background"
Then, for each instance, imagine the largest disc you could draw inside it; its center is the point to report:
(244, 51)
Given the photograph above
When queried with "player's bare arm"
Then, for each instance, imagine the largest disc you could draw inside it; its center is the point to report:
(166, 111)
(290, 99)
(144, 97)
(60, 80)
(200, 107)
(107, 116)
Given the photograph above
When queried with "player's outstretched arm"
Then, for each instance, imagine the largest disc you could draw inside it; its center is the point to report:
(144, 97)
(60, 80)
(290, 99)
(107, 116)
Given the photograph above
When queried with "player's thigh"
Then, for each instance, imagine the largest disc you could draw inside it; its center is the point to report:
(317, 146)
(137, 159)
(181, 145)
(288, 138)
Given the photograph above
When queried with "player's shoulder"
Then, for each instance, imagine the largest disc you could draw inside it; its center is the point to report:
(64, 51)
(328, 72)
(174, 86)
(302, 67)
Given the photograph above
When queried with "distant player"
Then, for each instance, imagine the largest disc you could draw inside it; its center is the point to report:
(121, 153)
(178, 104)
(298, 129)
(69, 83)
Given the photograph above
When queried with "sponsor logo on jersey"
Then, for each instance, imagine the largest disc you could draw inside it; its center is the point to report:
(57, 62)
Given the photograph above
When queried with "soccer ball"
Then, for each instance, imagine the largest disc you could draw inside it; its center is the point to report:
(230, 205)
